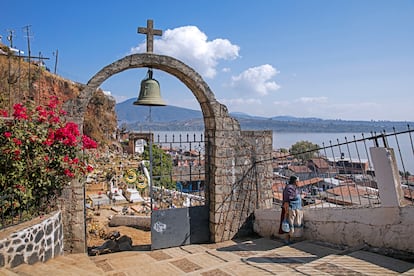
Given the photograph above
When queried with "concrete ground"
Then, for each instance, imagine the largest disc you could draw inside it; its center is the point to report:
(255, 256)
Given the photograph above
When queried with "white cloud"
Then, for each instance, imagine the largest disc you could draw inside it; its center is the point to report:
(281, 103)
(120, 99)
(191, 46)
(240, 101)
(314, 100)
(257, 80)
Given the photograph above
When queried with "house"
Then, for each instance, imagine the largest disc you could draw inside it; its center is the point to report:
(320, 167)
(301, 171)
(349, 165)
(352, 194)
(281, 160)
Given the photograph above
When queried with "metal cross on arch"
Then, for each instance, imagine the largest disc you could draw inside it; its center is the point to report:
(150, 32)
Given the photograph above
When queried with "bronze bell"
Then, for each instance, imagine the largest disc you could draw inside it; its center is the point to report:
(149, 93)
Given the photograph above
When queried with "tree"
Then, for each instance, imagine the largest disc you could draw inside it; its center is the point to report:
(304, 150)
(283, 150)
(161, 167)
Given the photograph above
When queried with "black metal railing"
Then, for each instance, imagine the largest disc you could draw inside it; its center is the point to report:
(187, 153)
(341, 173)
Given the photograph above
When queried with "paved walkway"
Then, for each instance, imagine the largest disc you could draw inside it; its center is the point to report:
(259, 256)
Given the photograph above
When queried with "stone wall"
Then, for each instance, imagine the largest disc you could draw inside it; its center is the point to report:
(37, 242)
(238, 163)
(380, 227)
(72, 204)
(243, 179)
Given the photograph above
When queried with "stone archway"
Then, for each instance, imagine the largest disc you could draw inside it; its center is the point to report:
(214, 113)
(240, 162)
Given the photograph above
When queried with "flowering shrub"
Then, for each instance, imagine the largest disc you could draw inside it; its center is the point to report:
(39, 155)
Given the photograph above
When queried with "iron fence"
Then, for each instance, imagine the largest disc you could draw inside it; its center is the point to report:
(187, 153)
(341, 173)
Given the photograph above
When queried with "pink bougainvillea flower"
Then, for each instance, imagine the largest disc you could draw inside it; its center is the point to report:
(54, 101)
(66, 159)
(69, 173)
(88, 143)
(17, 141)
(4, 113)
(67, 134)
(42, 114)
(20, 112)
(40, 153)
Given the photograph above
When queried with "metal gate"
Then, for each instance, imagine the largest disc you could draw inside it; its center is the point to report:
(180, 212)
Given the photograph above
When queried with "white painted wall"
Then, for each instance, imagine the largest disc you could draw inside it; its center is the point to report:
(382, 227)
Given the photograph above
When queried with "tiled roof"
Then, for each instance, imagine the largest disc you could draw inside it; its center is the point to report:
(299, 169)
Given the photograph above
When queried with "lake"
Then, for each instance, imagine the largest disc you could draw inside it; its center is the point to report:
(286, 140)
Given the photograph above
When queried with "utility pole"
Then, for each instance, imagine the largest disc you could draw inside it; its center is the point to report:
(29, 53)
(39, 65)
(10, 39)
(56, 60)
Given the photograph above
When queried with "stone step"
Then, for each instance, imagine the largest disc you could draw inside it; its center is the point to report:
(250, 257)
(7, 272)
(396, 265)
(285, 259)
(76, 264)
(80, 261)
(408, 273)
(357, 263)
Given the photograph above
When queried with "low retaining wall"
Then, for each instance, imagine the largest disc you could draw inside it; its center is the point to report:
(381, 227)
(38, 242)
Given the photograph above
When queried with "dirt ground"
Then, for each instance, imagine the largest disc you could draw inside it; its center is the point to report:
(97, 229)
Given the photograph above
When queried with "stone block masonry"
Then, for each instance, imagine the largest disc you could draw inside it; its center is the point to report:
(238, 163)
(38, 242)
(243, 180)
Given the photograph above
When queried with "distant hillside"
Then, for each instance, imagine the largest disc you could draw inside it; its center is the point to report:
(172, 118)
(128, 113)
(21, 82)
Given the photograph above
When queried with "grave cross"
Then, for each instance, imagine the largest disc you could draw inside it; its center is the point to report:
(150, 32)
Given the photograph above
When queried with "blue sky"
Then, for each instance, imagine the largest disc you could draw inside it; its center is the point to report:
(351, 60)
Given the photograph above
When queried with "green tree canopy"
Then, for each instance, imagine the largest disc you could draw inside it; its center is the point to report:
(304, 150)
(161, 167)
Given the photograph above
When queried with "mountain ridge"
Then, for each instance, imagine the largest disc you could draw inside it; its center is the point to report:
(183, 119)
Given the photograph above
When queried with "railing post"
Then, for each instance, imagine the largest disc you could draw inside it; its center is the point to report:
(387, 176)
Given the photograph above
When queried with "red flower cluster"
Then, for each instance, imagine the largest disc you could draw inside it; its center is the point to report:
(67, 134)
(20, 112)
(38, 149)
(88, 143)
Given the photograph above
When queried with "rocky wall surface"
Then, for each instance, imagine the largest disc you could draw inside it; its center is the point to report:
(36, 243)
(243, 180)
(72, 204)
